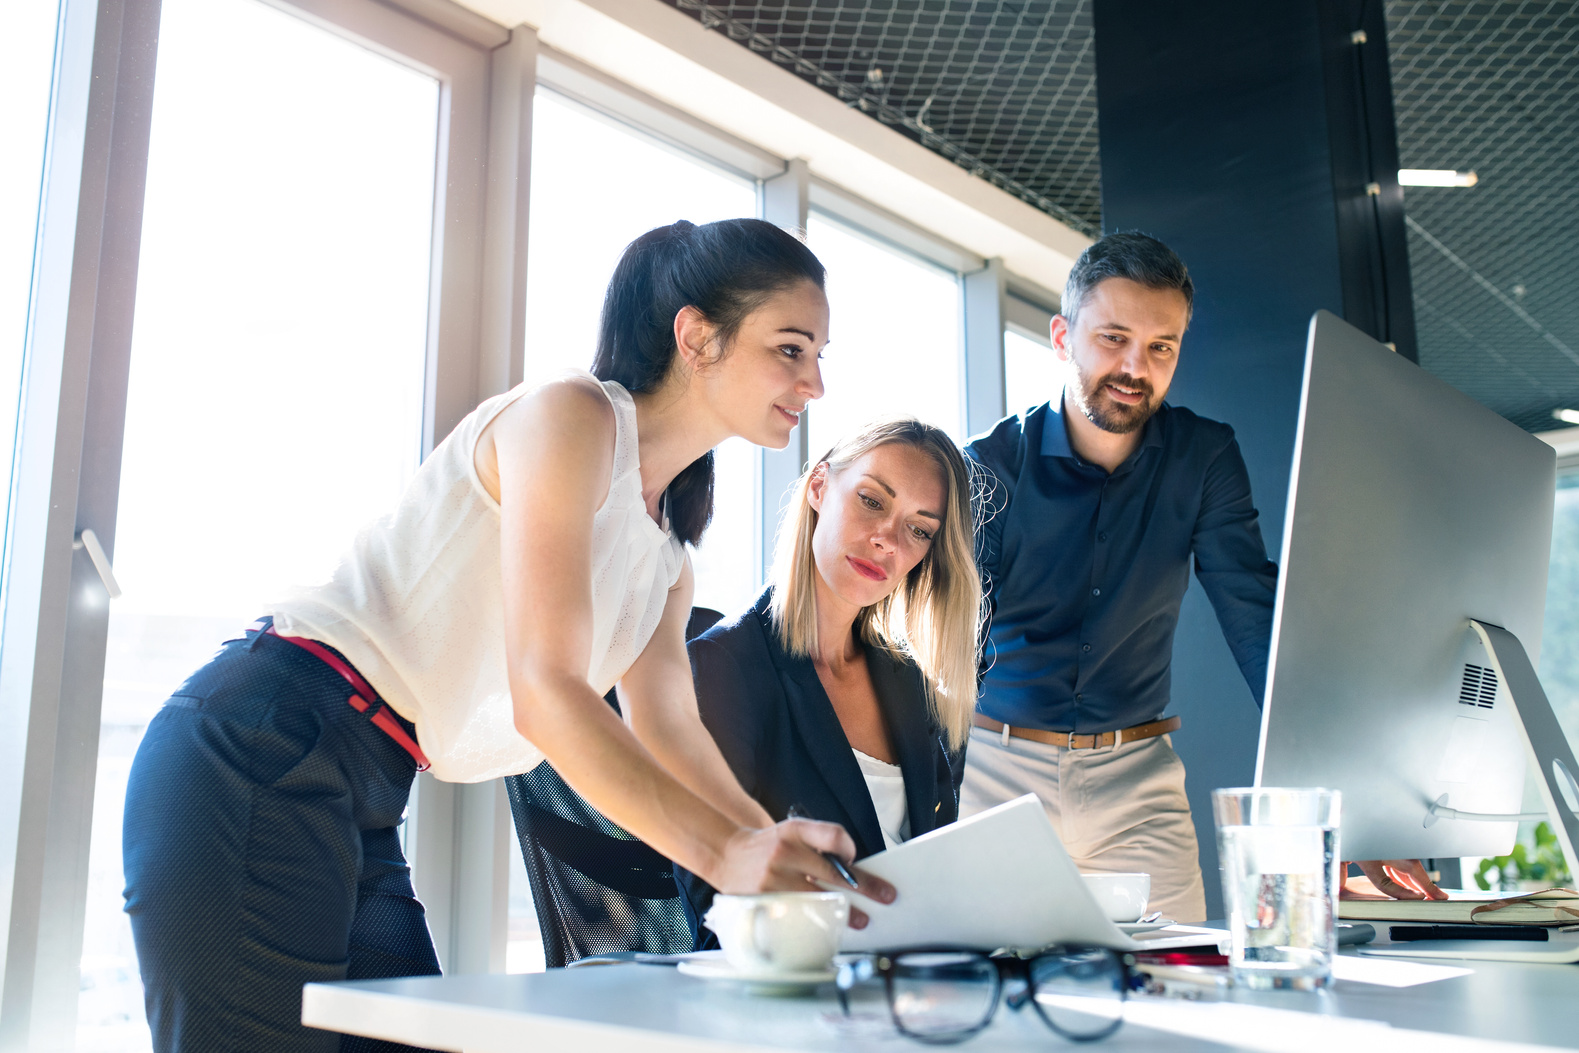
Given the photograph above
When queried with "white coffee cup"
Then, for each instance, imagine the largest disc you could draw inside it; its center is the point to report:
(1122, 897)
(779, 932)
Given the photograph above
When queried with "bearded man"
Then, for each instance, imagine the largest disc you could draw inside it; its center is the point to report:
(1096, 504)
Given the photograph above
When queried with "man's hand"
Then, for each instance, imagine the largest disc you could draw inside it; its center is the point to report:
(1388, 879)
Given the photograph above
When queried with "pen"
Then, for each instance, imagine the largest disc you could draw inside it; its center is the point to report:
(834, 861)
(1182, 981)
(1407, 933)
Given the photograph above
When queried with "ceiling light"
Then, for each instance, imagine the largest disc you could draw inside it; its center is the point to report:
(1435, 177)
(1567, 416)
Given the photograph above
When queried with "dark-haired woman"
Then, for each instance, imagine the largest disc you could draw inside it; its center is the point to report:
(536, 558)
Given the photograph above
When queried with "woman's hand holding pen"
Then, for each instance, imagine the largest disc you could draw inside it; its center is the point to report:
(793, 856)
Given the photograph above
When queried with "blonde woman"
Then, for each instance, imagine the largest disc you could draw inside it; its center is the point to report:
(845, 693)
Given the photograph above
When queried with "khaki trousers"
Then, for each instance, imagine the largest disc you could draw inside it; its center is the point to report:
(1117, 809)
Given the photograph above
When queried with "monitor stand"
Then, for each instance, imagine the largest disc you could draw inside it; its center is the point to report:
(1544, 741)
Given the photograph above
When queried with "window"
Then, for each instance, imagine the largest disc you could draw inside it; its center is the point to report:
(1559, 673)
(1560, 634)
(894, 337)
(1031, 374)
(596, 186)
(725, 580)
(27, 58)
(275, 401)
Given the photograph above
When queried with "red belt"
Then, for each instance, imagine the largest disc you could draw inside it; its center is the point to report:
(363, 697)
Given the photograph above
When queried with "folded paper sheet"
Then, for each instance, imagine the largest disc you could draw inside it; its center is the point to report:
(998, 879)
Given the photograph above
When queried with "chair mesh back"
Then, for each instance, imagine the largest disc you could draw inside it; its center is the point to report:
(597, 889)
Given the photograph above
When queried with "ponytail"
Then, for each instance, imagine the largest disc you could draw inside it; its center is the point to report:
(725, 270)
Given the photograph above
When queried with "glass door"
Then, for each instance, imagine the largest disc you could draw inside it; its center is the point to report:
(275, 400)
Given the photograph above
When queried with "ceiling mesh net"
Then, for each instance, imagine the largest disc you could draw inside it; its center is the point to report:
(1494, 87)
(1007, 89)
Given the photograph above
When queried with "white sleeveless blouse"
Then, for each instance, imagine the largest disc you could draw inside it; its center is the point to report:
(417, 604)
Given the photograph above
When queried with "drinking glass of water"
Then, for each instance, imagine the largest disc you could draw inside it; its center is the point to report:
(1278, 850)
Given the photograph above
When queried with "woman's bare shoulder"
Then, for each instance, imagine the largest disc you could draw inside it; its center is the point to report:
(569, 419)
(574, 406)
(569, 414)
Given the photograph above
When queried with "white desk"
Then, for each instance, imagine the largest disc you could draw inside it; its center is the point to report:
(625, 1008)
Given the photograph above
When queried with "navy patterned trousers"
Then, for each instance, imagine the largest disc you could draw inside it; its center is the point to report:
(262, 853)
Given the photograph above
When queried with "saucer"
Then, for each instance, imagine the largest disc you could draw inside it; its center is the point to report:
(719, 969)
(1130, 928)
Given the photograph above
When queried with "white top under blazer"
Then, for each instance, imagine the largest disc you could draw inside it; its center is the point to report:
(886, 783)
(417, 604)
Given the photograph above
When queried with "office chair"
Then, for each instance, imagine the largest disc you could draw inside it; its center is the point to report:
(596, 889)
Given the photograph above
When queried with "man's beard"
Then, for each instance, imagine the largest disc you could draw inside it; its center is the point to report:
(1107, 413)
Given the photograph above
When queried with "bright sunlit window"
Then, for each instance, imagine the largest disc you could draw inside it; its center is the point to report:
(1560, 635)
(1540, 863)
(278, 356)
(27, 58)
(1031, 375)
(894, 337)
(596, 185)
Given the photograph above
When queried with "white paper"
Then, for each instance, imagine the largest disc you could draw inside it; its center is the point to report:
(998, 879)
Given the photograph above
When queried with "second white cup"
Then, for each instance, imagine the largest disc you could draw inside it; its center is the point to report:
(779, 932)
(1122, 897)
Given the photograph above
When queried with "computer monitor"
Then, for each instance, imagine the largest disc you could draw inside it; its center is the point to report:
(1413, 513)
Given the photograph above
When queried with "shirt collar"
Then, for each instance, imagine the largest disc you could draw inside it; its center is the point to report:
(1055, 437)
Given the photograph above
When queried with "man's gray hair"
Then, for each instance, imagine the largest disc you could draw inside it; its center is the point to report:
(1126, 254)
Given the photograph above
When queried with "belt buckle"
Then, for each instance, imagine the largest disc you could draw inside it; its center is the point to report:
(1082, 742)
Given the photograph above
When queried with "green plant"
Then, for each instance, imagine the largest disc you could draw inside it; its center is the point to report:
(1540, 860)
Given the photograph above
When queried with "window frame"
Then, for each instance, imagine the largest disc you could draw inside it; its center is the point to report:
(979, 341)
(69, 451)
(1027, 317)
(75, 371)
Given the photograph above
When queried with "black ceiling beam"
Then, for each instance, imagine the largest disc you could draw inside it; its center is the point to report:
(1245, 133)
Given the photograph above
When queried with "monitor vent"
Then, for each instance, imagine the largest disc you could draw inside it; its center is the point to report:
(1479, 687)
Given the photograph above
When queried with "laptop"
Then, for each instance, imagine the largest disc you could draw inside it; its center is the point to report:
(998, 879)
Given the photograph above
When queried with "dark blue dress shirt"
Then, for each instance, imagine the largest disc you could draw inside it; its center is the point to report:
(1086, 571)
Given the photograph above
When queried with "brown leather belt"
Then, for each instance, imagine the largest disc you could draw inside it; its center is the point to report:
(1081, 742)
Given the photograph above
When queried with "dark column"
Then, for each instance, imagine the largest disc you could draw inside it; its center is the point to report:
(1256, 138)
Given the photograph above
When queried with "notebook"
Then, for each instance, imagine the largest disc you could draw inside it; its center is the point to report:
(1552, 907)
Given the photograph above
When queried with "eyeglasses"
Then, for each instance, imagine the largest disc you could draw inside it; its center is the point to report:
(944, 994)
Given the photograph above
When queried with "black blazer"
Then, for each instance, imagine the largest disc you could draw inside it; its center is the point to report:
(776, 727)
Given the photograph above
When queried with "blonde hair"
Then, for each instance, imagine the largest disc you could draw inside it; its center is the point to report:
(933, 617)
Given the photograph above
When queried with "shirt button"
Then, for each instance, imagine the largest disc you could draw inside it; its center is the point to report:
(1096, 592)
(1085, 647)
(1102, 536)
(1078, 696)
